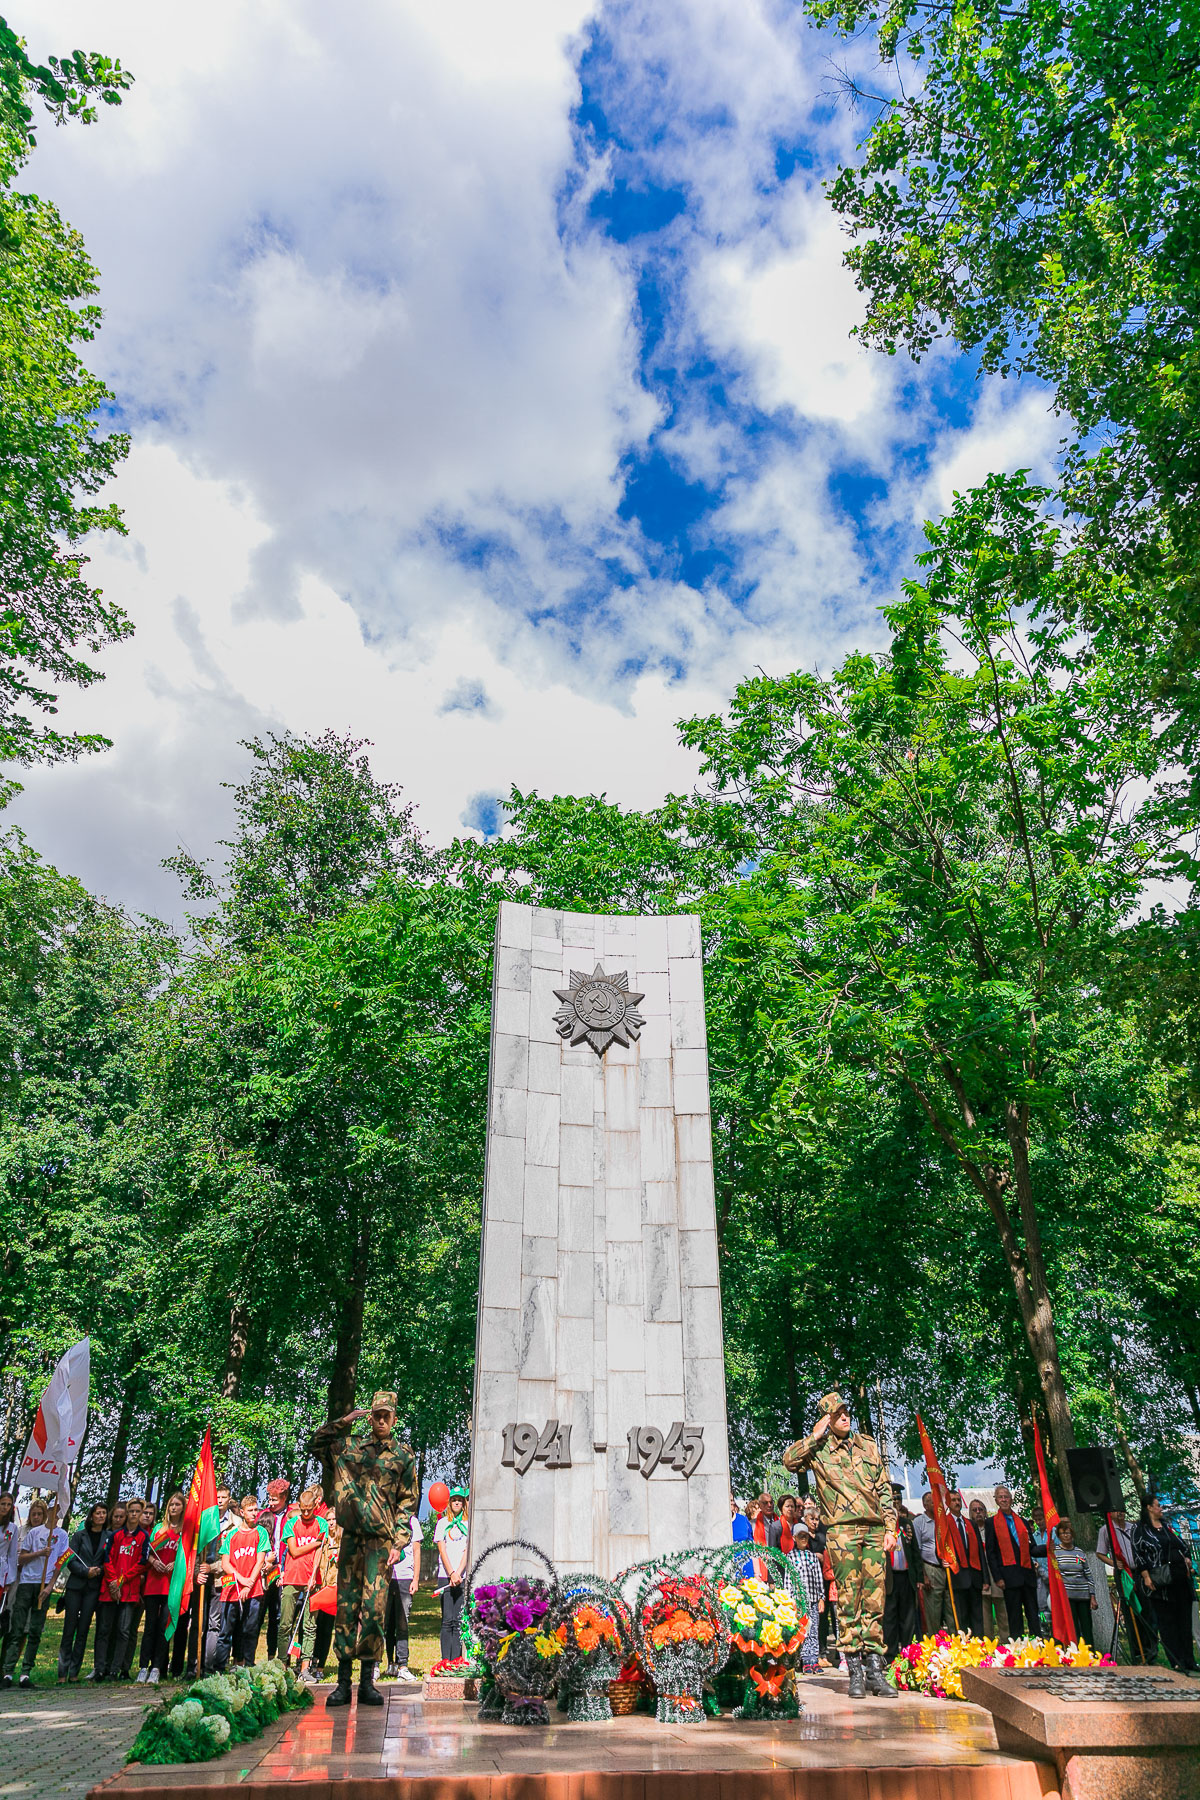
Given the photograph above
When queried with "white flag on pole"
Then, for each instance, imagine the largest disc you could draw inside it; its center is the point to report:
(58, 1429)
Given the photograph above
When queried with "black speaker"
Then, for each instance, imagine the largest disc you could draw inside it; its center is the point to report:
(1095, 1480)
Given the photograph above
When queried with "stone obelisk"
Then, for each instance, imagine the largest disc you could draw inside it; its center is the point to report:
(599, 1428)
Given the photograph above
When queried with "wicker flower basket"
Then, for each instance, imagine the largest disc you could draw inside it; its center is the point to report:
(624, 1696)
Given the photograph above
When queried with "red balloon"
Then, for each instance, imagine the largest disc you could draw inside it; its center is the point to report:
(439, 1496)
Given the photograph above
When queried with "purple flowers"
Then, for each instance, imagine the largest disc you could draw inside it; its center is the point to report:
(520, 1615)
(503, 1607)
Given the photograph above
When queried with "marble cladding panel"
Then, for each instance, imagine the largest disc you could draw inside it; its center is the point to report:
(660, 1260)
(600, 1279)
(545, 1068)
(542, 1129)
(505, 1179)
(516, 926)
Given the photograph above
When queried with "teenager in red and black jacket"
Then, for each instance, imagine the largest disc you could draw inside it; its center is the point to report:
(123, 1575)
(1010, 1553)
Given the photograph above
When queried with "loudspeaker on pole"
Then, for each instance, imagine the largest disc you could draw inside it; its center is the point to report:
(1096, 1480)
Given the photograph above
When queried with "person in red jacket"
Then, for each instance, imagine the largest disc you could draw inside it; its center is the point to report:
(244, 1553)
(123, 1575)
(302, 1538)
(161, 1551)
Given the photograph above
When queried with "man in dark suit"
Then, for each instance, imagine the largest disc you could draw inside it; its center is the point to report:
(905, 1572)
(1009, 1546)
(966, 1582)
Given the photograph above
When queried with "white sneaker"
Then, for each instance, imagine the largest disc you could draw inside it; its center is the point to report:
(152, 1678)
(143, 1674)
(405, 1673)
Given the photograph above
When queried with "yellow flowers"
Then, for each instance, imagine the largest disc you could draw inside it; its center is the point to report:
(547, 1646)
(745, 1616)
(764, 1621)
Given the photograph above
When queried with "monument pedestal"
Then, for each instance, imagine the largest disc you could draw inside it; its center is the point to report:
(1113, 1734)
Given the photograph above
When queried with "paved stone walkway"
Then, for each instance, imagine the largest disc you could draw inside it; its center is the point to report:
(62, 1741)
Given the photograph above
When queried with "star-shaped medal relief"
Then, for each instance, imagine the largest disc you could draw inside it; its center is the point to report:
(598, 1009)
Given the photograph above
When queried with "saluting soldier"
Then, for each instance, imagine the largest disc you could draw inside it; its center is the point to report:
(375, 1495)
(858, 1509)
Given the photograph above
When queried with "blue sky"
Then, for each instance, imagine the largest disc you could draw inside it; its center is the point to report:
(492, 396)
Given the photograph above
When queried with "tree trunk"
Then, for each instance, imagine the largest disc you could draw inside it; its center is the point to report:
(795, 1415)
(1141, 1487)
(116, 1472)
(343, 1378)
(235, 1353)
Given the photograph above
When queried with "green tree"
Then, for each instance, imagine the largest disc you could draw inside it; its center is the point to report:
(951, 836)
(53, 457)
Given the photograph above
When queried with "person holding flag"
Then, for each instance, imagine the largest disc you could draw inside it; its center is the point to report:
(946, 1544)
(1115, 1545)
(302, 1538)
(854, 1492)
(1009, 1546)
(200, 1523)
(1062, 1618)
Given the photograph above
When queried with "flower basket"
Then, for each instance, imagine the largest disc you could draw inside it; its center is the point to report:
(597, 1642)
(623, 1697)
(682, 1639)
(520, 1633)
(766, 1631)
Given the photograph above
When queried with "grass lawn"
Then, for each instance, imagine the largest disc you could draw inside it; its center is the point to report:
(424, 1642)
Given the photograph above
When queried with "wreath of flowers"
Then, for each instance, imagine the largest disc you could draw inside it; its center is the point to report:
(935, 1665)
(217, 1711)
(508, 1610)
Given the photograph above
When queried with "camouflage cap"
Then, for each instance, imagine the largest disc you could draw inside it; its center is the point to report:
(384, 1400)
(831, 1404)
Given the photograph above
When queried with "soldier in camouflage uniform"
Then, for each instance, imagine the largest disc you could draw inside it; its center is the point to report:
(858, 1509)
(375, 1494)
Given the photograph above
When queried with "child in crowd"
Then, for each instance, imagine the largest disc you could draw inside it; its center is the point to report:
(161, 1551)
(808, 1566)
(124, 1572)
(300, 1545)
(244, 1554)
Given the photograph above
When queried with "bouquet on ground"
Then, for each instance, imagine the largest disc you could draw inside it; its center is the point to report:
(682, 1639)
(521, 1634)
(596, 1644)
(766, 1630)
(935, 1665)
(218, 1711)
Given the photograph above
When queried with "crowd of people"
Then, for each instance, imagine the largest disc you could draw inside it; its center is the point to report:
(1000, 1588)
(270, 1567)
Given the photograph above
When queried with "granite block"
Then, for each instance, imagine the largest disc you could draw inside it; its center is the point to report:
(687, 981)
(510, 1062)
(694, 1139)
(543, 1004)
(669, 1522)
(540, 1212)
(622, 1159)
(626, 1343)
(541, 1130)
(655, 1072)
(544, 1073)
(578, 1091)
(576, 1283)
(575, 1225)
(621, 1096)
(547, 924)
(510, 1013)
(691, 1062)
(660, 1260)
(656, 1036)
(697, 1207)
(704, 1390)
(698, 1257)
(624, 1213)
(512, 968)
(505, 1178)
(515, 926)
(657, 989)
(683, 935)
(576, 1159)
(702, 1334)
(660, 1202)
(658, 1144)
(508, 1112)
(575, 1364)
(623, 1277)
(498, 1338)
(501, 1261)
(664, 1361)
(579, 931)
(628, 1496)
(536, 1344)
(539, 1256)
(652, 945)
(687, 1025)
(691, 1093)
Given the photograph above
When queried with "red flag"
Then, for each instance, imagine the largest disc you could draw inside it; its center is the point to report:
(947, 1549)
(200, 1521)
(1062, 1624)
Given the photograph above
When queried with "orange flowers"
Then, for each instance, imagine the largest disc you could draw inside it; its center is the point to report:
(680, 1628)
(592, 1628)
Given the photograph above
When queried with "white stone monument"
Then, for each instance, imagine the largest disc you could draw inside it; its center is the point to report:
(599, 1428)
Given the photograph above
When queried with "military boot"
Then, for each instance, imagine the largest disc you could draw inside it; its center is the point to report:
(876, 1677)
(368, 1693)
(858, 1687)
(343, 1693)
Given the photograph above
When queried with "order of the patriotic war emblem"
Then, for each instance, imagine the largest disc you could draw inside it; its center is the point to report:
(598, 1009)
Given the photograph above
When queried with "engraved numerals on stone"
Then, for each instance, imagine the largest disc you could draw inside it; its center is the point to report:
(682, 1448)
(525, 1444)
